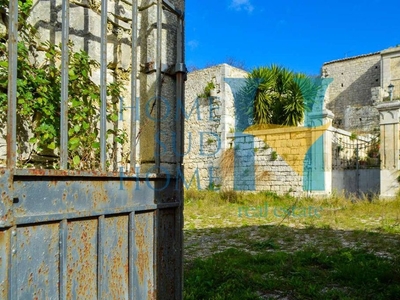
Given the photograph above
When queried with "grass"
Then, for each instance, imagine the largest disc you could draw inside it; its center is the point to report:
(306, 274)
(350, 250)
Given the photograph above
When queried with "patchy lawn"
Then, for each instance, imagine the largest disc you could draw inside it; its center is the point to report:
(263, 246)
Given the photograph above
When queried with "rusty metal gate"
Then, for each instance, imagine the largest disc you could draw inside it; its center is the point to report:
(112, 232)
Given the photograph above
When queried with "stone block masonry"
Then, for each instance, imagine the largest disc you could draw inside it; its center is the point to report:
(359, 84)
(218, 157)
(262, 167)
(208, 121)
(353, 79)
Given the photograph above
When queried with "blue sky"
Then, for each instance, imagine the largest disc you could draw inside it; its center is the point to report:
(298, 34)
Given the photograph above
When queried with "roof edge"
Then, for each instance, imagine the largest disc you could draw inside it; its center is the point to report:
(353, 57)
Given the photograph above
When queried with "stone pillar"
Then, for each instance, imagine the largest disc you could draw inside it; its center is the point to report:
(321, 152)
(328, 118)
(389, 149)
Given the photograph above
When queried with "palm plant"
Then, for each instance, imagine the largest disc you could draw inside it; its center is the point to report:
(276, 95)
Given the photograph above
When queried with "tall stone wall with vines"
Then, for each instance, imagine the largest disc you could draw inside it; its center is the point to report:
(39, 75)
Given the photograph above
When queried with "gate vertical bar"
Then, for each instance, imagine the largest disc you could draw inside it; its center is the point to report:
(12, 85)
(103, 86)
(133, 290)
(13, 285)
(158, 86)
(64, 86)
(100, 257)
(134, 108)
(180, 73)
(180, 97)
(63, 259)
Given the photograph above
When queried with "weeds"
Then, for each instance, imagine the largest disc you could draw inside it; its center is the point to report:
(306, 274)
(350, 252)
(231, 196)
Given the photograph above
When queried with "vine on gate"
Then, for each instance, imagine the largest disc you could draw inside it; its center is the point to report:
(38, 99)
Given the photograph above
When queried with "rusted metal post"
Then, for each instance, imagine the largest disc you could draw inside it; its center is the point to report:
(158, 86)
(64, 86)
(134, 103)
(103, 86)
(12, 85)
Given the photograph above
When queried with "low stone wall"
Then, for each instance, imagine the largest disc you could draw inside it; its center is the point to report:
(252, 164)
(272, 160)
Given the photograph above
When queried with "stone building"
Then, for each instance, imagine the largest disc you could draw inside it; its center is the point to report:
(216, 156)
(359, 83)
(208, 121)
(294, 160)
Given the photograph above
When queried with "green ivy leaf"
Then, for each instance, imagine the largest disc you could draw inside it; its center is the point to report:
(52, 146)
(114, 117)
(76, 160)
(74, 141)
(75, 103)
(73, 147)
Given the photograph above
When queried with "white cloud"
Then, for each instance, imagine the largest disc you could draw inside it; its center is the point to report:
(193, 44)
(242, 5)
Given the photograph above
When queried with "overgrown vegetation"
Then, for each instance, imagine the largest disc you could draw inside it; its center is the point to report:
(306, 274)
(349, 251)
(38, 100)
(279, 96)
(207, 90)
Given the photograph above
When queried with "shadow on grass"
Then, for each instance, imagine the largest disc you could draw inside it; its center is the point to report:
(279, 262)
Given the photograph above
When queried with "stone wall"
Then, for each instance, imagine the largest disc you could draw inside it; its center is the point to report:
(218, 157)
(274, 159)
(391, 70)
(207, 122)
(253, 164)
(353, 79)
(85, 34)
(390, 148)
(361, 119)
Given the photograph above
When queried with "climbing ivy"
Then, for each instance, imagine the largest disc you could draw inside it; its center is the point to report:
(38, 99)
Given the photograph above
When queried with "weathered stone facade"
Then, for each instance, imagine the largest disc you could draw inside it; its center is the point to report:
(273, 159)
(208, 121)
(391, 70)
(217, 156)
(353, 79)
(361, 119)
(390, 164)
(359, 83)
(265, 162)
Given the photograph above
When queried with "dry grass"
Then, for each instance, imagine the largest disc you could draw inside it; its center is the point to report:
(241, 246)
(214, 223)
